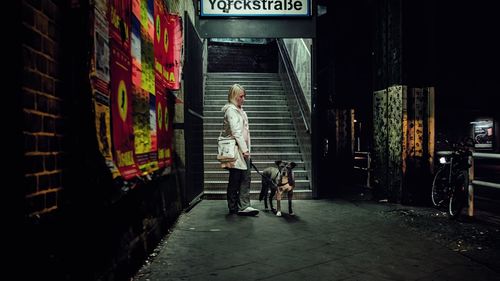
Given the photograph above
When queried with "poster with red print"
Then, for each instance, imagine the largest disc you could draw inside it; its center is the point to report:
(121, 113)
(163, 127)
(137, 60)
(174, 48)
(160, 43)
(119, 24)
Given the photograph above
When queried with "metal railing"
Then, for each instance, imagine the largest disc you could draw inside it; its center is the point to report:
(297, 91)
(361, 155)
(473, 182)
(301, 115)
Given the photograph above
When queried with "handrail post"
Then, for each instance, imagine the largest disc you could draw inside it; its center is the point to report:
(368, 169)
(470, 211)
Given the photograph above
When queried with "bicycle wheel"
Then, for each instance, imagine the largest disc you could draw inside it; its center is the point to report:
(458, 196)
(439, 187)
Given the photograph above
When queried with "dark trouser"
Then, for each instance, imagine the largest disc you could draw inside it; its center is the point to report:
(238, 188)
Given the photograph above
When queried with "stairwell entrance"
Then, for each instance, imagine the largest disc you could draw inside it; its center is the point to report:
(269, 105)
(278, 122)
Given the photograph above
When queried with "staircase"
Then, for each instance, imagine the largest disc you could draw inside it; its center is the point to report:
(271, 130)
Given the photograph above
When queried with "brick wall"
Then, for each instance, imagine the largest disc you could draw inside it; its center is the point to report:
(42, 105)
(73, 207)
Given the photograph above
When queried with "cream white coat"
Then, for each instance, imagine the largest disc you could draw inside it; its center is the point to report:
(234, 125)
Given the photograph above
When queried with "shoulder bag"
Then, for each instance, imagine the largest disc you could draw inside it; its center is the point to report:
(227, 149)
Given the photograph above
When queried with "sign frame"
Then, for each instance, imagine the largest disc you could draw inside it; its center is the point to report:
(229, 8)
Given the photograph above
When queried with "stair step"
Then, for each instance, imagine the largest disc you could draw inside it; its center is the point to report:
(255, 82)
(249, 98)
(249, 88)
(261, 148)
(259, 119)
(212, 185)
(255, 126)
(275, 113)
(254, 195)
(263, 122)
(222, 174)
(255, 178)
(261, 164)
(296, 172)
(264, 107)
(254, 189)
(246, 107)
(250, 92)
(254, 133)
(254, 102)
(241, 75)
(228, 81)
(259, 156)
(255, 141)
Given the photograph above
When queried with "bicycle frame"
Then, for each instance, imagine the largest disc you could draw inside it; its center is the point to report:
(452, 189)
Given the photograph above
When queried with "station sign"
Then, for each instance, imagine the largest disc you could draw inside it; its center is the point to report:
(255, 8)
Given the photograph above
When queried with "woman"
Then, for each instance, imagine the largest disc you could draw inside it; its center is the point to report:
(236, 126)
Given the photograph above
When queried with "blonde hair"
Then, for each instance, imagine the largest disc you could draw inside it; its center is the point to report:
(234, 91)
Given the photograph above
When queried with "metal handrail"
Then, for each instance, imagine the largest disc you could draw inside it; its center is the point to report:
(477, 155)
(474, 154)
(472, 181)
(280, 48)
(486, 155)
(368, 165)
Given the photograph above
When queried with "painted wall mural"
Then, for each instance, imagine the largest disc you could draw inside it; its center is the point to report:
(403, 139)
(136, 59)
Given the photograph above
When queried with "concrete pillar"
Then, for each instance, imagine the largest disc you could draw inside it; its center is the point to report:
(403, 100)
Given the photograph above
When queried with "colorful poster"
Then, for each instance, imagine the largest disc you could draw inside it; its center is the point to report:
(483, 134)
(174, 47)
(164, 126)
(147, 17)
(101, 107)
(121, 113)
(101, 47)
(147, 50)
(136, 8)
(119, 25)
(168, 123)
(147, 62)
(101, 6)
(99, 81)
(135, 52)
(142, 45)
(135, 60)
(153, 133)
(142, 140)
(103, 129)
(160, 43)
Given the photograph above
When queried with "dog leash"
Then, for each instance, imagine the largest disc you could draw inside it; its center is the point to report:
(262, 175)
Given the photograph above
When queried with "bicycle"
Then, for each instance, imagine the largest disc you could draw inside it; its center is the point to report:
(450, 184)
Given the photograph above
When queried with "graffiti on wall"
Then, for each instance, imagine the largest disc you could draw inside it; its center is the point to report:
(403, 136)
(388, 139)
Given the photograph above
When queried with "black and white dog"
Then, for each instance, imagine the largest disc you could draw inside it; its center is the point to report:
(278, 180)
